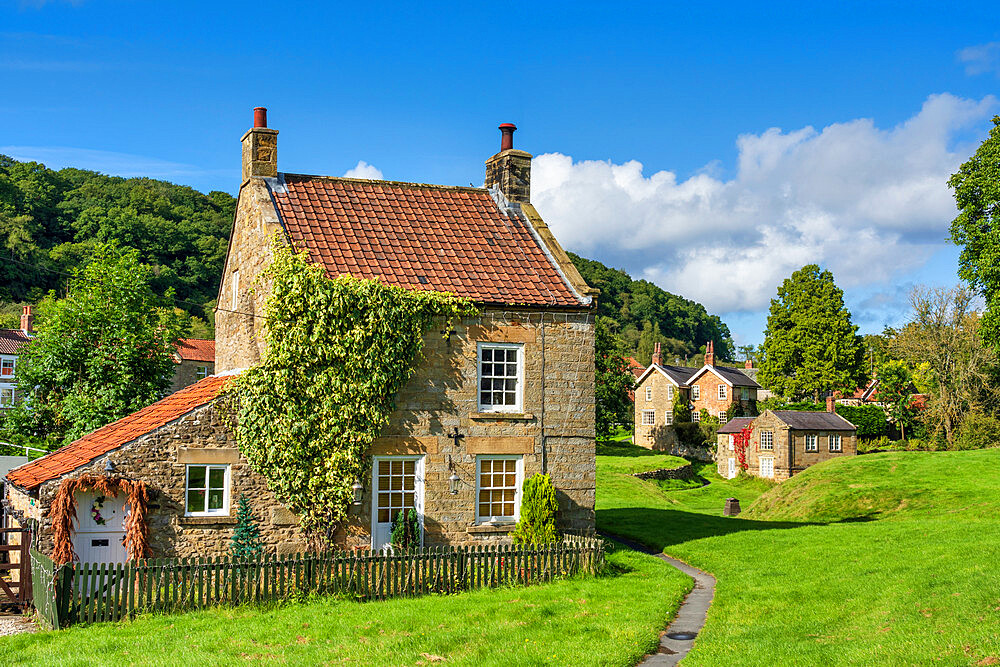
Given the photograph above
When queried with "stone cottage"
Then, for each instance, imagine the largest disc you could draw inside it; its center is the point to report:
(12, 345)
(195, 360)
(786, 442)
(510, 393)
(712, 387)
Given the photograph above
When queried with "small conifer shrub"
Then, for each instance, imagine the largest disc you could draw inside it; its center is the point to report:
(406, 530)
(537, 524)
(247, 543)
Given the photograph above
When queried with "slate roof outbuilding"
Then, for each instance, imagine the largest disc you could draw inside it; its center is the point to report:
(421, 237)
(108, 438)
(735, 425)
(814, 421)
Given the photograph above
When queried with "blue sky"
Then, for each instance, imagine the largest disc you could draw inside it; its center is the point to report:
(710, 148)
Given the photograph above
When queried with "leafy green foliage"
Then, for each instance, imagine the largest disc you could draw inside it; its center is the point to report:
(696, 434)
(52, 220)
(537, 522)
(247, 542)
(338, 352)
(810, 345)
(646, 314)
(978, 431)
(405, 531)
(870, 419)
(101, 353)
(681, 410)
(613, 381)
(977, 227)
(895, 390)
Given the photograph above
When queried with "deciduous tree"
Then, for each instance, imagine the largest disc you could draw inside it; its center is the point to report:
(613, 380)
(810, 345)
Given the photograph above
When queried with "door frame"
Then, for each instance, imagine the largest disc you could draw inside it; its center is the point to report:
(418, 489)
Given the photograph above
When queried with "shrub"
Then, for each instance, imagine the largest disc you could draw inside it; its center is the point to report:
(682, 412)
(247, 543)
(978, 431)
(870, 419)
(537, 524)
(405, 530)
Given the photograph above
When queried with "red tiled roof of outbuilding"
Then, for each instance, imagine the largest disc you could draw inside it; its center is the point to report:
(421, 237)
(12, 340)
(98, 443)
(196, 349)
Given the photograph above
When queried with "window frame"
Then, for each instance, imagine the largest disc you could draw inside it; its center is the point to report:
(668, 417)
(13, 367)
(723, 417)
(235, 293)
(760, 466)
(744, 393)
(226, 489)
(770, 441)
(13, 396)
(519, 386)
(723, 392)
(652, 418)
(649, 393)
(201, 372)
(695, 393)
(518, 483)
(695, 416)
(732, 442)
(840, 443)
(815, 442)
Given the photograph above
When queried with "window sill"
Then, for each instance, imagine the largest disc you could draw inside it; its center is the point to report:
(491, 528)
(220, 520)
(508, 416)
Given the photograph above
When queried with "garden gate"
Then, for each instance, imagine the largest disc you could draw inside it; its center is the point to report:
(15, 568)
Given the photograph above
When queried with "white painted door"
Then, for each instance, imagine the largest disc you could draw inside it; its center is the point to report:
(397, 485)
(732, 468)
(99, 528)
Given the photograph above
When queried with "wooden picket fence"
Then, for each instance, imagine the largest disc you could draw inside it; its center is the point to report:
(94, 592)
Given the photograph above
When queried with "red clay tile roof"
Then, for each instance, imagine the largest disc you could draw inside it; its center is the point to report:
(103, 440)
(196, 349)
(12, 340)
(421, 237)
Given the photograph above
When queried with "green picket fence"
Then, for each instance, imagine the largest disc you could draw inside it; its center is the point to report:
(94, 592)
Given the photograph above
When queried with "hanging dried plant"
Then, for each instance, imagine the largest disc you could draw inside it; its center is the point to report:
(63, 511)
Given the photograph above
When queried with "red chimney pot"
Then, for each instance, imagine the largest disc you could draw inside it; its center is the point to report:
(260, 116)
(507, 136)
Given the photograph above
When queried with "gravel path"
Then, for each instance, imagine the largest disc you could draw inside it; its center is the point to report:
(15, 625)
(680, 635)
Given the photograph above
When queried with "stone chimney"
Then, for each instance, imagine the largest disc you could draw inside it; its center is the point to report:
(510, 170)
(748, 363)
(657, 357)
(709, 353)
(260, 148)
(27, 320)
(831, 404)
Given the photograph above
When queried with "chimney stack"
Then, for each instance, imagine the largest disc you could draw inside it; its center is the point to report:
(27, 319)
(748, 363)
(260, 148)
(510, 170)
(831, 404)
(709, 353)
(657, 359)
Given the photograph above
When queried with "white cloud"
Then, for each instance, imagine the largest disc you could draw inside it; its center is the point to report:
(981, 58)
(364, 170)
(865, 202)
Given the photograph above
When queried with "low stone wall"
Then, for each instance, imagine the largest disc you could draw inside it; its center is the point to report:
(681, 472)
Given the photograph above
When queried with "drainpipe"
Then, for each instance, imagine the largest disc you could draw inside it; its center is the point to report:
(545, 450)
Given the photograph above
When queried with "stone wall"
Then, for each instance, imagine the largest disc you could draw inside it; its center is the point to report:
(239, 341)
(680, 472)
(186, 373)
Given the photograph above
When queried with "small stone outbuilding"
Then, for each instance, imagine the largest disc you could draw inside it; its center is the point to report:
(785, 442)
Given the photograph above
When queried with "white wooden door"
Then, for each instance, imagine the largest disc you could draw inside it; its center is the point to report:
(732, 468)
(99, 528)
(397, 485)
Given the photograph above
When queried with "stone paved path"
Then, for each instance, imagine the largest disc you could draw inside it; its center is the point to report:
(690, 617)
(15, 625)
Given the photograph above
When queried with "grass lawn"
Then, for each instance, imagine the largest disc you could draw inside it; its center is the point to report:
(608, 620)
(878, 559)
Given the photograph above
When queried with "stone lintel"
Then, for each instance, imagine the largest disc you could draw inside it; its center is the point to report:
(491, 528)
(206, 520)
(503, 333)
(208, 455)
(500, 445)
(503, 416)
(402, 445)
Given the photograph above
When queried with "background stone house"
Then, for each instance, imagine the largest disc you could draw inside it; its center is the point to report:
(786, 442)
(711, 387)
(12, 343)
(195, 360)
(508, 394)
